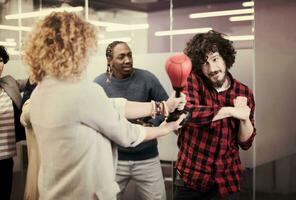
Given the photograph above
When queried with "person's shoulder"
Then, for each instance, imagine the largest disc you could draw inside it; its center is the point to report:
(196, 78)
(100, 78)
(242, 86)
(145, 73)
(8, 78)
(142, 71)
(239, 83)
(89, 89)
(89, 85)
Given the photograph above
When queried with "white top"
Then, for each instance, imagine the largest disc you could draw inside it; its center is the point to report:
(74, 123)
(7, 130)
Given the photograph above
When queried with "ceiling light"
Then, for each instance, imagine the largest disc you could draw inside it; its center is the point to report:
(15, 28)
(241, 18)
(110, 26)
(240, 37)
(44, 12)
(127, 27)
(105, 24)
(221, 13)
(12, 51)
(144, 1)
(8, 43)
(248, 4)
(182, 31)
(108, 41)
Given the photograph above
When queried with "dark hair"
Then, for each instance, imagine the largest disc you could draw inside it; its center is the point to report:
(3, 54)
(110, 47)
(202, 44)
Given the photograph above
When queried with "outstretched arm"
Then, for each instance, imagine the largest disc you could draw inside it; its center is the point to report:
(108, 118)
(164, 129)
(134, 110)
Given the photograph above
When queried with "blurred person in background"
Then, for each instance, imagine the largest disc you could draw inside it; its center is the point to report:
(11, 131)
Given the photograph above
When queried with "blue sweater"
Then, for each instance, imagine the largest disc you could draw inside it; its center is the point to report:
(141, 86)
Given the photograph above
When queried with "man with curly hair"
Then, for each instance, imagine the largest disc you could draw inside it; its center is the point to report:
(222, 120)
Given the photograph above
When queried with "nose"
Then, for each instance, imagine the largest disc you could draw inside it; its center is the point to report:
(212, 67)
(127, 59)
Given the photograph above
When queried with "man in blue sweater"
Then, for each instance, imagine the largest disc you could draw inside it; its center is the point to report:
(140, 164)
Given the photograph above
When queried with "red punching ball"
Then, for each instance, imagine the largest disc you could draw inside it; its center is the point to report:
(178, 66)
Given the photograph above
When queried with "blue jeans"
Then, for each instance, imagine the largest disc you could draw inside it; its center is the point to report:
(186, 193)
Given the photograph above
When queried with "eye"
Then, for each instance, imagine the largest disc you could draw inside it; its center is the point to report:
(215, 59)
(205, 63)
(120, 57)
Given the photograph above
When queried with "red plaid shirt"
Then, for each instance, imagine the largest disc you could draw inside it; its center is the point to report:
(209, 151)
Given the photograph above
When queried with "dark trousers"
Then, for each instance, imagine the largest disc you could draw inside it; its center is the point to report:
(186, 193)
(6, 170)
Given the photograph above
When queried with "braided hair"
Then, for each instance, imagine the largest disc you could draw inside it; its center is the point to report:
(109, 55)
(110, 47)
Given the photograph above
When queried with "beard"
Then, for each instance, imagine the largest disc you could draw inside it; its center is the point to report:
(216, 83)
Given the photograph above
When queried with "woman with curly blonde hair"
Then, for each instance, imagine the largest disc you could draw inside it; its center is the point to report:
(59, 46)
(76, 125)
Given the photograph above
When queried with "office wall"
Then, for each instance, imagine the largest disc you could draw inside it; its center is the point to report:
(275, 75)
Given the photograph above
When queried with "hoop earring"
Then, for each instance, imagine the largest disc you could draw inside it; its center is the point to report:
(109, 73)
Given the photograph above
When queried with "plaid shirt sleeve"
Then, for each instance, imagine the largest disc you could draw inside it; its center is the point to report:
(201, 114)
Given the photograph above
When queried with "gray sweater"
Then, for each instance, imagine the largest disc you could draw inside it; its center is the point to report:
(141, 86)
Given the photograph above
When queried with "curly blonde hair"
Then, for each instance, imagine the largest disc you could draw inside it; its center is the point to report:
(59, 46)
